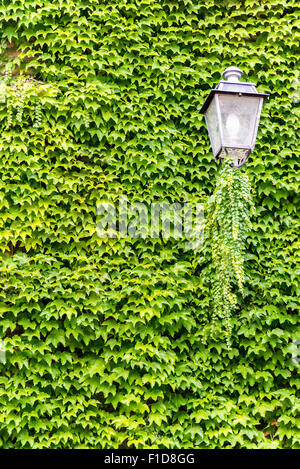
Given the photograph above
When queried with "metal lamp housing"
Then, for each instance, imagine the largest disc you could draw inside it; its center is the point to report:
(232, 112)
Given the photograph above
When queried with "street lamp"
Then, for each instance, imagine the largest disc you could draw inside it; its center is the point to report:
(232, 112)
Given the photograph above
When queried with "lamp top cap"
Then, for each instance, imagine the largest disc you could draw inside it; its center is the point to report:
(232, 74)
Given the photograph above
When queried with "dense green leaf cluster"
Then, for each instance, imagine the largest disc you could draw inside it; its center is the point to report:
(108, 341)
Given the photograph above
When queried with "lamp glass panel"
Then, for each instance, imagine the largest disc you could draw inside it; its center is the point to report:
(212, 123)
(238, 119)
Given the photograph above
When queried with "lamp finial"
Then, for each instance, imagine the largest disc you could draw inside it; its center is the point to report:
(232, 74)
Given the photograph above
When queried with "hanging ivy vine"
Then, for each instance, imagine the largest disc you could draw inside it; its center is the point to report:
(19, 92)
(228, 221)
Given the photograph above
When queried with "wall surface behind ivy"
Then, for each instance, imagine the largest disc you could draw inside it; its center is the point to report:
(108, 342)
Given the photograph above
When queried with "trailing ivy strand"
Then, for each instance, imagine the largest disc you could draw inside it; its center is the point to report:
(228, 224)
(26, 96)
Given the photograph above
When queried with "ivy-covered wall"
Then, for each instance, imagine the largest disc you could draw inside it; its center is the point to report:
(108, 341)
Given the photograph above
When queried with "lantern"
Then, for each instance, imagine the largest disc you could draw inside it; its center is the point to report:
(232, 112)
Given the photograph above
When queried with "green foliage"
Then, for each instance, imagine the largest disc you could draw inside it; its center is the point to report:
(109, 342)
(227, 228)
